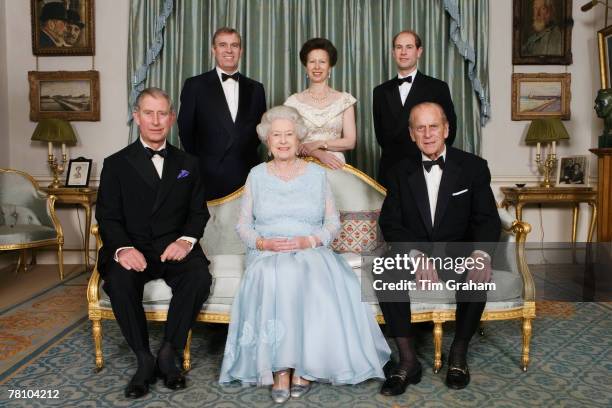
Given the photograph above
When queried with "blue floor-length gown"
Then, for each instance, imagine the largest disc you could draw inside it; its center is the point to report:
(300, 309)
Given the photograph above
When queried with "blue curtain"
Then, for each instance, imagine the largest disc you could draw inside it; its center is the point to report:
(170, 41)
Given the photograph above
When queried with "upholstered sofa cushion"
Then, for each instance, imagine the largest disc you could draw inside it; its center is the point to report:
(22, 234)
(359, 232)
(15, 215)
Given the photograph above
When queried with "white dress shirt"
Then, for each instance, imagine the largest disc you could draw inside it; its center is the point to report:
(158, 162)
(405, 87)
(230, 89)
(432, 180)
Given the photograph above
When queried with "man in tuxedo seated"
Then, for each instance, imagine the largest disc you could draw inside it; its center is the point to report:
(442, 195)
(393, 100)
(151, 212)
(219, 112)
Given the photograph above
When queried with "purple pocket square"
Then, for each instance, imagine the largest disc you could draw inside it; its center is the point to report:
(182, 174)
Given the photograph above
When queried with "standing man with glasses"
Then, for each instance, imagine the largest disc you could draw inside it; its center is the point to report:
(218, 115)
(394, 99)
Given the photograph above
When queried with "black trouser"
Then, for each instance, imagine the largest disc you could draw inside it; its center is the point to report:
(190, 283)
(398, 318)
(470, 305)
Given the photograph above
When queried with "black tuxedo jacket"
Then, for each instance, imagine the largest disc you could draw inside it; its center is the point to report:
(391, 117)
(136, 208)
(227, 150)
(465, 210)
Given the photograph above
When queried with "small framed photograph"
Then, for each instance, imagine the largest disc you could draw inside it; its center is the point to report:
(604, 38)
(542, 32)
(537, 96)
(68, 95)
(572, 171)
(63, 27)
(79, 171)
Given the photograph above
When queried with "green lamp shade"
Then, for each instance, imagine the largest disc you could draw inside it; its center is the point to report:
(546, 131)
(54, 130)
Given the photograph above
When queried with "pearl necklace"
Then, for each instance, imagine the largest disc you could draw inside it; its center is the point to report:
(291, 171)
(318, 99)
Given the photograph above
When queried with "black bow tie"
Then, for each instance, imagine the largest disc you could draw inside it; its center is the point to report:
(400, 81)
(234, 76)
(162, 152)
(428, 164)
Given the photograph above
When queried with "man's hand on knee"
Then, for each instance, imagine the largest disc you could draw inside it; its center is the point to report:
(132, 259)
(481, 272)
(176, 251)
(426, 271)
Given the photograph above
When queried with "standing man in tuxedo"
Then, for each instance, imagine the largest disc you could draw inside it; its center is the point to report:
(219, 112)
(440, 195)
(152, 213)
(394, 99)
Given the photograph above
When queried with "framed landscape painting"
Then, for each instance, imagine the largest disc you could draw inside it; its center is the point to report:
(536, 96)
(68, 95)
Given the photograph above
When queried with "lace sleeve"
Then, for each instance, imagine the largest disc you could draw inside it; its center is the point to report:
(245, 228)
(331, 222)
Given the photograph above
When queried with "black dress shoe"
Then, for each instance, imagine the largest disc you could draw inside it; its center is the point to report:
(174, 380)
(137, 388)
(398, 380)
(457, 377)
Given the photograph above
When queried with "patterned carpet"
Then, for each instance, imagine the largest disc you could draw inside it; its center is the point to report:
(30, 326)
(571, 367)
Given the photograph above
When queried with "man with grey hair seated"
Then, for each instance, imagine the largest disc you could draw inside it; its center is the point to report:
(152, 213)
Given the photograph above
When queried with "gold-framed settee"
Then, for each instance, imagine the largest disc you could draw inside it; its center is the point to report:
(354, 192)
(27, 218)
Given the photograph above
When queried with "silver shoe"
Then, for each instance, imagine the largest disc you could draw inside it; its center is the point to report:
(281, 395)
(297, 390)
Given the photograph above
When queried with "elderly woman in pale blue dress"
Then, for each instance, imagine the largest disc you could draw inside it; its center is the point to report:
(298, 315)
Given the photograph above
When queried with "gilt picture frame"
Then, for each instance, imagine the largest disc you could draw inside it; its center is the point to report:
(68, 95)
(63, 27)
(536, 96)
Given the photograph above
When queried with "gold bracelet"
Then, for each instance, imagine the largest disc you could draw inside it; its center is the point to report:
(259, 244)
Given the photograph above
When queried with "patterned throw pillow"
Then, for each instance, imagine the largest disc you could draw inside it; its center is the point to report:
(359, 232)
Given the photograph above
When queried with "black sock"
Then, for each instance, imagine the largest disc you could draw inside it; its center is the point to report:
(146, 366)
(166, 359)
(407, 354)
(458, 352)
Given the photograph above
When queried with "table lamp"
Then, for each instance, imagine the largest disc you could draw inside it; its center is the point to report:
(548, 132)
(55, 131)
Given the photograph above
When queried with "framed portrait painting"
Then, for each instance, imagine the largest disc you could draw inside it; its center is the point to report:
(542, 32)
(572, 171)
(68, 95)
(536, 96)
(78, 173)
(604, 38)
(63, 27)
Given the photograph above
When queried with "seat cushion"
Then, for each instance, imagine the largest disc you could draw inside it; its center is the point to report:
(226, 271)
(24, 234)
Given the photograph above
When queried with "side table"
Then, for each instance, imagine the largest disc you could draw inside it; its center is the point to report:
(86, 198)
(519, 197)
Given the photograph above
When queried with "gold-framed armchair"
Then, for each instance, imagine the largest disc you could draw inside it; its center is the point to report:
(27, 218)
